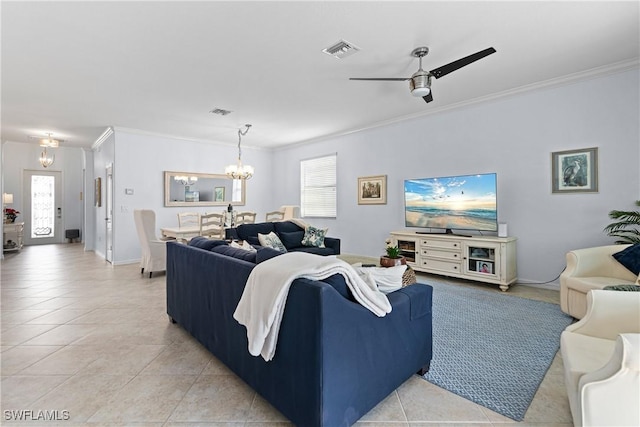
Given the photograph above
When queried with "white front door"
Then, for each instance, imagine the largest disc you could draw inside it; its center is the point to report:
(43, 207)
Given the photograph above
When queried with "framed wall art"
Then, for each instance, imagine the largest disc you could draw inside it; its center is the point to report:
(218, 194)
(372, 190)
(98, 192)
(575, 171)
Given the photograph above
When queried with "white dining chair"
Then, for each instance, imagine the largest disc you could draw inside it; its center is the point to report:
(154, 250)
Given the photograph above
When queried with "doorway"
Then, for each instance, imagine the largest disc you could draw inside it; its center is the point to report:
(43, 207)
(109, 214)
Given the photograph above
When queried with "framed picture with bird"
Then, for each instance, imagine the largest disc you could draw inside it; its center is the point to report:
(575, 171)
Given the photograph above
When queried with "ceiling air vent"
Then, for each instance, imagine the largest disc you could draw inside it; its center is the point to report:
(341, 49)
(220, 111)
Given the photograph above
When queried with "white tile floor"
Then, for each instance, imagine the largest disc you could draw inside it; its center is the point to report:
(82, 336)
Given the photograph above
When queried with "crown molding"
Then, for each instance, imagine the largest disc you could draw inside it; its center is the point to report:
(102, 138)
(184, 138)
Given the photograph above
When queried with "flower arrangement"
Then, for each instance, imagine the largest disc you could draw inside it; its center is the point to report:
(10, 214)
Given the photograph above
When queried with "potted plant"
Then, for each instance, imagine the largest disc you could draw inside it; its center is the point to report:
(627, 227)
(10, 215)
(393, 257)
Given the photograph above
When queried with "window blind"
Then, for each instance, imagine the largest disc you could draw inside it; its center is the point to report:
(318, 187)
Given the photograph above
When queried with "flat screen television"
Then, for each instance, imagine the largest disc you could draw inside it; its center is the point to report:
(463, 202)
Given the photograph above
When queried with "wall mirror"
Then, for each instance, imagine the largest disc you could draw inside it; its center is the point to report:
(202, 189)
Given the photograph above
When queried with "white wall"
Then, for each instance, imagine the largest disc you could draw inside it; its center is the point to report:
(18, 157)
(140, 162)
(512, 136)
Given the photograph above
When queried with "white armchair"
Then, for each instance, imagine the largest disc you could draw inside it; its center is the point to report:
(587, 269)
(154, 251)
(601, 357)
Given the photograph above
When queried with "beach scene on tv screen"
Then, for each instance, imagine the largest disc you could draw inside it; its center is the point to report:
(458, 202)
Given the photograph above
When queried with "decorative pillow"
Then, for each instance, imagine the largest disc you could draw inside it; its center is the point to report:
(204, 243)
(272, 241)
(245, 246)
(265, 253)
(630, 258)
(388, 279)
(314, 237)
(291, 239)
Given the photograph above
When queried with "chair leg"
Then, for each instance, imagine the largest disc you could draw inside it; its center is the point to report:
(142, 270)
(150, 273)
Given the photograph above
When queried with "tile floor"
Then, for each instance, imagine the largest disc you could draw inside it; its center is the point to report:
(82, 336)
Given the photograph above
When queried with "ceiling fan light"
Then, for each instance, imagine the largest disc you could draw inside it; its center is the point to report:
(420, 91)
(420, 84)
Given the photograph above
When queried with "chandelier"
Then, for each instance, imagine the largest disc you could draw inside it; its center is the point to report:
(185, 180)
(239, 171)
(46, 159)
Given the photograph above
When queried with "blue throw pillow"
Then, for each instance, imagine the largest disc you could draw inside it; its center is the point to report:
(630, 258)
(206, 244)
(291, 239)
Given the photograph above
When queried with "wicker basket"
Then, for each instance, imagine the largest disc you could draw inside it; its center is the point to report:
(409, 277)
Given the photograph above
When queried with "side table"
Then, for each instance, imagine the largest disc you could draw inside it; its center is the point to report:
(12, 236)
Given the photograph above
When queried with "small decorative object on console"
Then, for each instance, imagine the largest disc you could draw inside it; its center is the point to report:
(10, 215)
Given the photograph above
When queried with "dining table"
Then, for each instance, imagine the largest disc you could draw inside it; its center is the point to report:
(182, 234)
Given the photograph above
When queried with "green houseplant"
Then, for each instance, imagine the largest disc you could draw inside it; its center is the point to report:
(393, 256)
(626, 228)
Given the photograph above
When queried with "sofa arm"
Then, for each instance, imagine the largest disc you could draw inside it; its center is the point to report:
(596, 262)
(333, 243)
(610, 395)
(609, 313)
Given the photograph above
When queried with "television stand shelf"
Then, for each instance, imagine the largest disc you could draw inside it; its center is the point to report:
(481, 258)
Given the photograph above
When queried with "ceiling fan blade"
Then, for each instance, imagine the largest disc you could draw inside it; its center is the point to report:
(390, 79)
(453, 66)
(428, 98)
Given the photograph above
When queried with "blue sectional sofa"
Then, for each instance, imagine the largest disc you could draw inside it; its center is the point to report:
(334, 360)
(289, 233)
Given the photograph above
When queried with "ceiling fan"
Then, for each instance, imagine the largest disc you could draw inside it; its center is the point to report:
(420, 81)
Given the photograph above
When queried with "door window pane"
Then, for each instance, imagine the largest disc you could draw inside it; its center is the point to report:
(42, 206)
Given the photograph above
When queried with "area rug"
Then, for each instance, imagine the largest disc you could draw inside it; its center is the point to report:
(492, 348)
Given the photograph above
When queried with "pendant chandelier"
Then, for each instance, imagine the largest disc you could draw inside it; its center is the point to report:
(46, 159)
(239, 171)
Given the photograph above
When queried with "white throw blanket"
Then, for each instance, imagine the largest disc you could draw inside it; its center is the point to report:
(262, 303)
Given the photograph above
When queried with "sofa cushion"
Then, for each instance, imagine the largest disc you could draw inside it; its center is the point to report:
(314, 236)
(286, 227)
(272, 241)
(291, 239)
(251, 230)
(630, 258)
(265, 253)
(235, 253)
(206, 244)
(314, 250)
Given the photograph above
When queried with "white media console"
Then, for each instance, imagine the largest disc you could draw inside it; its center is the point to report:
(484, 259)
